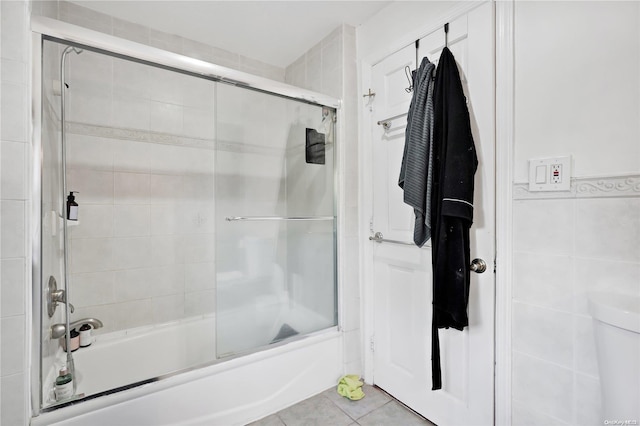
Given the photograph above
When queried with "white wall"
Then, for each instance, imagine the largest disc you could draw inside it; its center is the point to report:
(330, 67)
(577, 68)
(577, 85)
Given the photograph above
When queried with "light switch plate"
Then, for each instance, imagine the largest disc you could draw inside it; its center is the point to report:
(550, 174)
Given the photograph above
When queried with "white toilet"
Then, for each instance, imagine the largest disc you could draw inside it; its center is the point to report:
(616, 319)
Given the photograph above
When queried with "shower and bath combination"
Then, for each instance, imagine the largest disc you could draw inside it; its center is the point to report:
(203, 238)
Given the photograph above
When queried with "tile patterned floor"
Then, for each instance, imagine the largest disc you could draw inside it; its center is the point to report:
(330, 409)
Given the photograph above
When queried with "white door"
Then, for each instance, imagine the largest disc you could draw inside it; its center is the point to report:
(402, 272)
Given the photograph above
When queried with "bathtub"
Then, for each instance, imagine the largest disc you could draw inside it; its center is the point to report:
(229, 392)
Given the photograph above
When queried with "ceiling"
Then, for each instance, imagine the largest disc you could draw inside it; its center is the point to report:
(275, 32)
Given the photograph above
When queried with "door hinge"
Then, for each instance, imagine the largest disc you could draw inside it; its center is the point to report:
(371, 225)
(372, 343)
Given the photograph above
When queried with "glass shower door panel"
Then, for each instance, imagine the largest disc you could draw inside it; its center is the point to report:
(275, 257)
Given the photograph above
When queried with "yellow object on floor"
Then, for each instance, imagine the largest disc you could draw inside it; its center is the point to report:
(350, 387)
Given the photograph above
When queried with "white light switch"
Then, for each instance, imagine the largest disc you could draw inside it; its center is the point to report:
(550, 174)
(541, 174)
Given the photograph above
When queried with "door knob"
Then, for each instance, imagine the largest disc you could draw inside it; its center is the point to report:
(478, 266)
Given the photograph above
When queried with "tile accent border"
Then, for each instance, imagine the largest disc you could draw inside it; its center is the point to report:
(169, 139)
(620, 186)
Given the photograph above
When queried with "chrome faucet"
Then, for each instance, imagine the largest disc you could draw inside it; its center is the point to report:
(59, 330)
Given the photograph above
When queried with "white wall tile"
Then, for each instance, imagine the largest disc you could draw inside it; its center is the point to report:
(166, 250)
(14, 71)
(95, 187)
(199, 248)
(89, 152)
(129, 253)
(585, 346)
(166, 189)
(200, 276)
(544, 226)
(13, 110)
(94, 221)
(131, 188)
(108, 314)
(549, 283)
(525, 415)
(168, 308)
(200, 302)
(132, 284)
(13, 351)
(13, 170)
(198, 188)
(130, 31)
(134, 314)
(314, 69)
(198, 93)
(13, 287)
(13, 407)
(604, 275)
(165, 87)
(543, 333)
(131, 220)
(12, 229)
(91, 255)
(544, 386)
(14, 30)
(131, 78)
(588, 401)
(94, 288)
(73, 13)
(198, 123)
(131, 112)
(131, 156)
(608, 228)
(165, 41)
(166, 219)
(167, 280)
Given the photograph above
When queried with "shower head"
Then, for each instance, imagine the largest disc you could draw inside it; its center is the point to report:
(78, 51)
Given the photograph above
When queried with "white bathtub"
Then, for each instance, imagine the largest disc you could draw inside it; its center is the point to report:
(232, 392)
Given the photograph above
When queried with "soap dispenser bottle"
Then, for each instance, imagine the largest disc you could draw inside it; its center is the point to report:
(64, 385)
(72, 207)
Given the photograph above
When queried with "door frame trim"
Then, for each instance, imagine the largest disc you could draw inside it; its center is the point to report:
(504, 130)
(504, 143)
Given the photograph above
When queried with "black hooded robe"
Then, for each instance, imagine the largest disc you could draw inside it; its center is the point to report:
(455, 163)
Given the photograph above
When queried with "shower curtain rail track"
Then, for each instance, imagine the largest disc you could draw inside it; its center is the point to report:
(257, 218)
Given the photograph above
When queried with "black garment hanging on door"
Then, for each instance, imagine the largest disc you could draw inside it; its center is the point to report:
(455, 163)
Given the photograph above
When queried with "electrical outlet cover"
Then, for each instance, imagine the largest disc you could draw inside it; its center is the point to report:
(559, 181)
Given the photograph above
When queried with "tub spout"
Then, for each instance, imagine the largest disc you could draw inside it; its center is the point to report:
(59, 330)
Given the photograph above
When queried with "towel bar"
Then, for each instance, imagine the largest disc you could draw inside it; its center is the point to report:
(236, 218)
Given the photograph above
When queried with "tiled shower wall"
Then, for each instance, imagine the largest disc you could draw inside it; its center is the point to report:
(330, 67)
(140, 153)
(568, 243)
(15, 206)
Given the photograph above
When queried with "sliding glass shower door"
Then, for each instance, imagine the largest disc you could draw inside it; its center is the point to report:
(275, 222)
